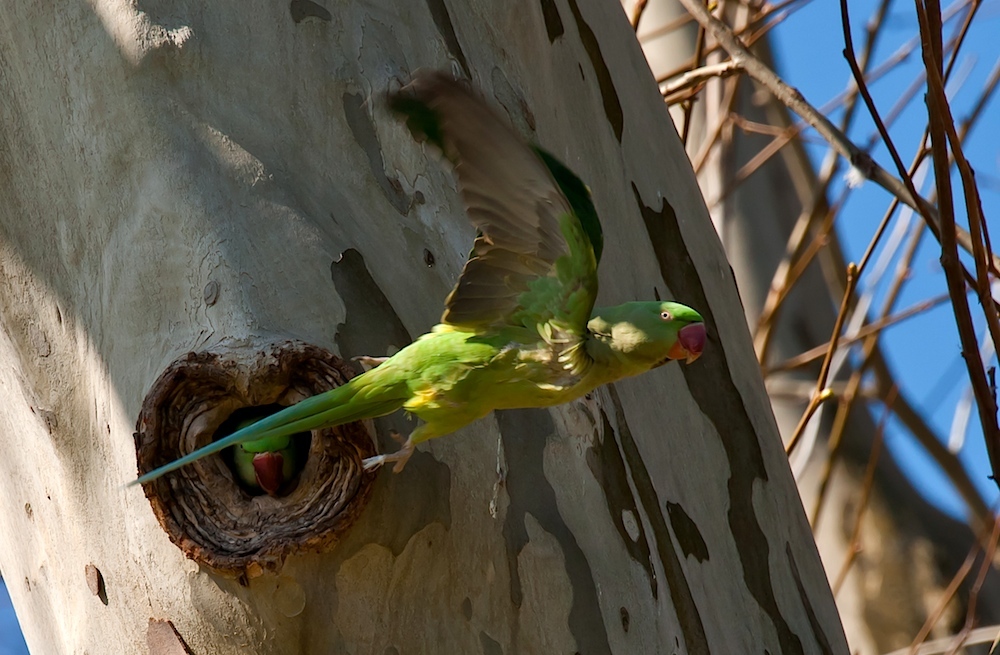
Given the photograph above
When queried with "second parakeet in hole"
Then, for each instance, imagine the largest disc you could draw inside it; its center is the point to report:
(520, 328)
(269, 464)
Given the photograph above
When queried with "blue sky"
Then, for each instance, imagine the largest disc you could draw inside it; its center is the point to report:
(11, 641)
(924, 351)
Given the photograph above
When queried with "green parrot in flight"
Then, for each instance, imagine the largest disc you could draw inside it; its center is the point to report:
(520, 328)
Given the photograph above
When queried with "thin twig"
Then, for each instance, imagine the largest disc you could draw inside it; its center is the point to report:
(637, 11)
(983, 635)
(699, 53)
(881, 324)
(939, 116)
(977, 586)
(946, 597)
(854, 546)
(792, 99)
(822, 393)
(698, 76)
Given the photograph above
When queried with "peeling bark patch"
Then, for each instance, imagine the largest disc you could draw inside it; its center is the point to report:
(817, 627)
(720, 401)
(695, 639)
(162, 638)
(490, 646)
(524, 432)
(605, 462)
(364, 134)
(687, 533)
(442, 19)
(553, 22)
(612, 105)
(303, 9)
(95, 582)
(211, 293)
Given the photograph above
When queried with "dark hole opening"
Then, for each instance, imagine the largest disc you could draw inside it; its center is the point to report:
(243, 464)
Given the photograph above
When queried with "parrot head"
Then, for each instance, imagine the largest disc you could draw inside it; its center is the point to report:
(269, 464)
(650, 334)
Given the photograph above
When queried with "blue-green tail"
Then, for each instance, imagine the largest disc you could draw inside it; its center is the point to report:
(350, 402)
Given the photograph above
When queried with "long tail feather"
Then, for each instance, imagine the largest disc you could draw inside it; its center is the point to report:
(328, 409)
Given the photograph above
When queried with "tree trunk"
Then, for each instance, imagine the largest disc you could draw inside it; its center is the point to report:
(222, 179)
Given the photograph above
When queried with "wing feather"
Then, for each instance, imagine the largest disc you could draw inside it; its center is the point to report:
(534, 262)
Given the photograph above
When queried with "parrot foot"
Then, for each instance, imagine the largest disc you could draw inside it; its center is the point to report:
(401, 456)
(368, 363)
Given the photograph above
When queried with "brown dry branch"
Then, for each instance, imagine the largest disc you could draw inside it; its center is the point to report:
(979, 512)
(984, 635)
(939, 116)
(910, 418)
(829, 167)
(637, 11)
(876, 326)
(695, 79)
(822, 393)
(977, 586)
(699, 53)
(792, 99)
(866, 488)
(712, 137)
(754, 30)
(868, 351)
(784, 278)
(792, 270)
(946, 597)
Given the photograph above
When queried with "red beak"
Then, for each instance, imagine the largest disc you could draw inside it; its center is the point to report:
(690, 343)
(267, 467)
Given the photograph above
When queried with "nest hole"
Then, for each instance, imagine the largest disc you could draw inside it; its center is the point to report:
(216, 518)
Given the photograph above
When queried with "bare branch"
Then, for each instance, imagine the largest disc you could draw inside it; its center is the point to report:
(792, 99)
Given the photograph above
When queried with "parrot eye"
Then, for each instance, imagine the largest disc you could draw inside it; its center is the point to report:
(666, 316)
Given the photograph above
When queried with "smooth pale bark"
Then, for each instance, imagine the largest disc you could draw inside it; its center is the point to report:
(223, 176)
(908, 550)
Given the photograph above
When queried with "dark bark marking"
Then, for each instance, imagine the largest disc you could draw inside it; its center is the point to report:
(524, 432)
(364, 134)
(695, 639)
(553, 21)
(421, 494)
(712, 387)
(490, 645)
(687, 533)
(303, 9)
(606, 463)
(612, 105)
(817, 627)
(442, 19)
(368, 332)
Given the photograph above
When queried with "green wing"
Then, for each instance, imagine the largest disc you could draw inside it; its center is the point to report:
(534, 262)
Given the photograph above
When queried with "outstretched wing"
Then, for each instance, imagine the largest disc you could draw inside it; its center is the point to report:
(534, 262)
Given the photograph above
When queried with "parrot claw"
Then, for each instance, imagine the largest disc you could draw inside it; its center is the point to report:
(368, 363)
(401, 456)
